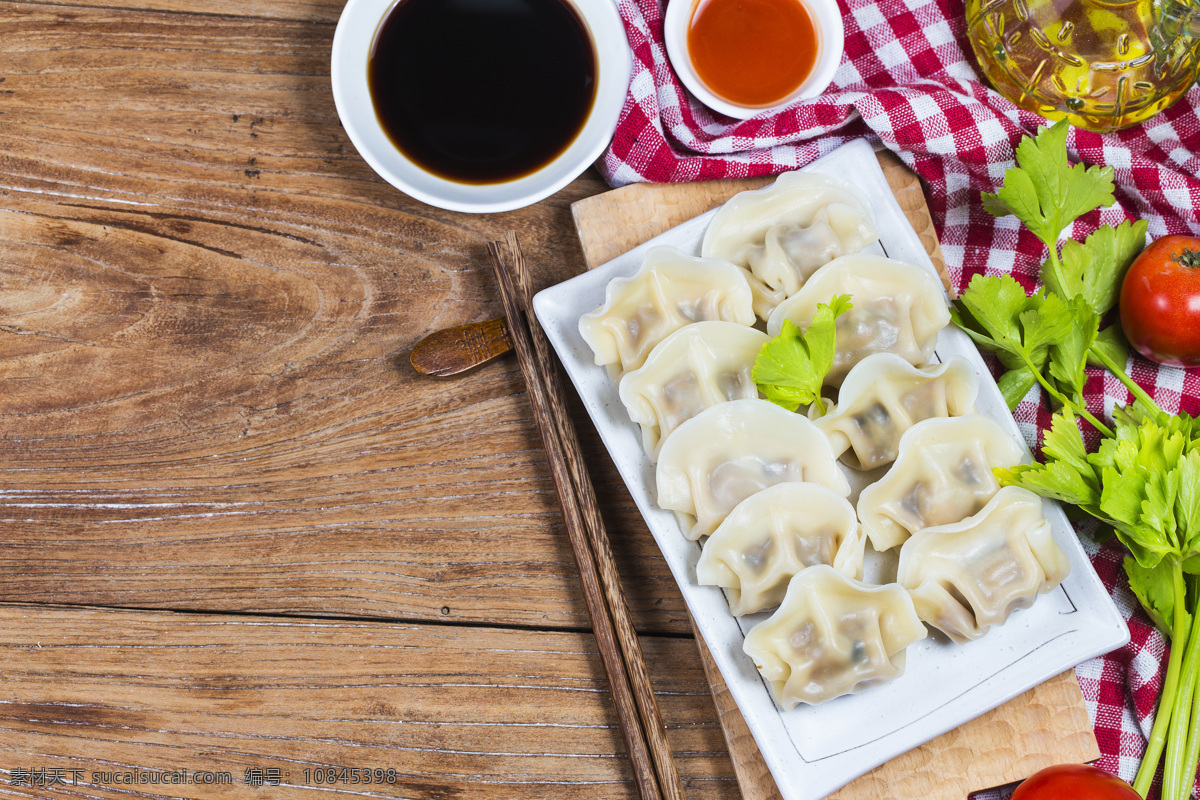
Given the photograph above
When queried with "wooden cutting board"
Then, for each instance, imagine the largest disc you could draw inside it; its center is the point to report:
(1047, 725)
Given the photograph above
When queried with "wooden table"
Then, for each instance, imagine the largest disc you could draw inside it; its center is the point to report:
(238, 535)
(246, 551)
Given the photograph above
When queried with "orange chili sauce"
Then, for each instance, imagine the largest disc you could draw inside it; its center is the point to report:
(752, 52)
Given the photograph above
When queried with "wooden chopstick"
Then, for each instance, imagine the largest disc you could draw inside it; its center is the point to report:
(645, 736)
(635, 664)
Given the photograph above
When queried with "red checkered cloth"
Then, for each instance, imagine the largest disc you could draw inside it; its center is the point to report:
(909, 83)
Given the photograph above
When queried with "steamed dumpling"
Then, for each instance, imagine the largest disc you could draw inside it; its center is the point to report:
(694, 368)
(967, 576)
(832, 636)
(772, 535)
(783, 232)
(672, 289)
(725, 454)
(898, 308)
(943, 474)
(884, 395)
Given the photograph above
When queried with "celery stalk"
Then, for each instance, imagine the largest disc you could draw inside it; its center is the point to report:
(1166, 702)
(1177, 779)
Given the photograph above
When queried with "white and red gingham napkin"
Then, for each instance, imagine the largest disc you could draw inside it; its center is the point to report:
(908, 82)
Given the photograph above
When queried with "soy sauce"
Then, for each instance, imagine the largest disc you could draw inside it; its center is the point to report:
(482, 91)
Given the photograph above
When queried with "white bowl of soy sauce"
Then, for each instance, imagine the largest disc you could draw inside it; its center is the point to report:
(480, 105)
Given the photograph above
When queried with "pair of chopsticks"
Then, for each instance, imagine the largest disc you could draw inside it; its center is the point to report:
(645, 737)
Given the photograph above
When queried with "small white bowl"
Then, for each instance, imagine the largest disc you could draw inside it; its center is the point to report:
(351, 50)
(830, 36)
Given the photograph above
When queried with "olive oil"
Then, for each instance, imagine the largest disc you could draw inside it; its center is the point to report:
(1101, 65)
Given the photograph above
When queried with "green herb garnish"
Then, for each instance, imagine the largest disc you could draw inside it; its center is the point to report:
(791, 368)
(1030, 334)
(1047, 194)
(1045, 191)
(1144, 479)
(1144, 482)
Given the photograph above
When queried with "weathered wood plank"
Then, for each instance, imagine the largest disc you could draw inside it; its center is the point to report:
(206, 304)
(311, 11)
(95, 690)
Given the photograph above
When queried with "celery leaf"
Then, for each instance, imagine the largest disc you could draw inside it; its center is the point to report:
(791, 368)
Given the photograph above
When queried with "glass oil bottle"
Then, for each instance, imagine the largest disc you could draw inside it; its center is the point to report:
(1102, 65)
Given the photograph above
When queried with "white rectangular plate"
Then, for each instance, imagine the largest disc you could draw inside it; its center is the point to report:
(814, 750)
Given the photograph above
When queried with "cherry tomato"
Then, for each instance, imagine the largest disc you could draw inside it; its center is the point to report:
(1160, 301)
(1074, 782)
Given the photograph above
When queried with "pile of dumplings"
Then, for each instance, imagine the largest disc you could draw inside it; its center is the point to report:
(763, 488)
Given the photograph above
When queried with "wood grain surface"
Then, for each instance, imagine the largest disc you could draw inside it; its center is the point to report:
(208, 419)
(207, 302)
(646, 745)
(237, 530)
(456, 711)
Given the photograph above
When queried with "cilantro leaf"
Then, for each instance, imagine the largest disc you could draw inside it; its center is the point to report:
(1017, 196)
(996, 304)
(1026, 331)
(1187, 509)
(1053, 479)
(1144, 479)
(1015, 384)
(1158, 507)
(997, 314)
(791, 368)
(1047, 321)
(1094, 270)
(1110, 341)
(1052, 336)
(1143, 473)
(1088, 188)
(1154, 590)
(1044, 159)
(1068, 352)
(1066, 475)
(1045, 191)
(989, 311)
(1063, 442)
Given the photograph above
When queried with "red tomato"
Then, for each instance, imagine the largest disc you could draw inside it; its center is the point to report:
(1160, 301)
(1074, 782)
